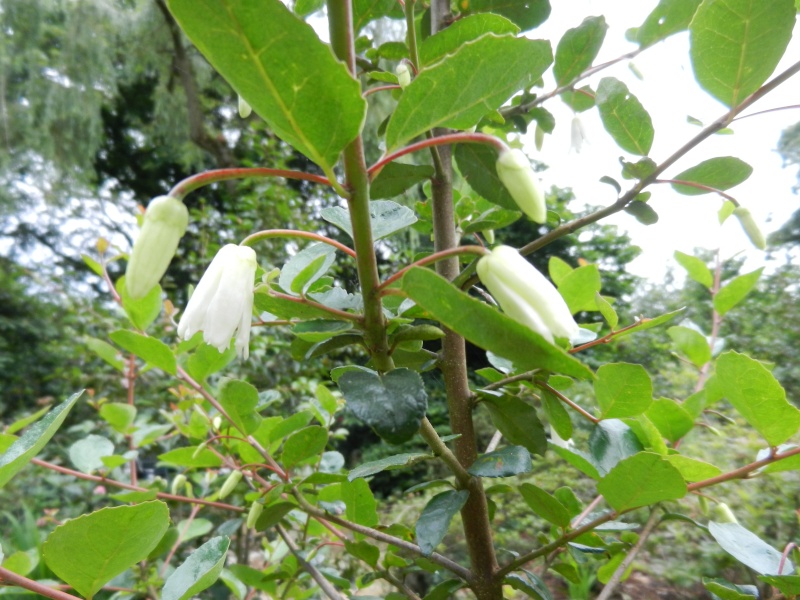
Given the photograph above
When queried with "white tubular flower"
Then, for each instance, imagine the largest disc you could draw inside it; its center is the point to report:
(403, 75)
(165, 222)
(525, 294)
(514, 170)
(577, 135)
(222, 303)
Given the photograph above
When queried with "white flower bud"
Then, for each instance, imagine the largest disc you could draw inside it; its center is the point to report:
(165, 222)
(230, 484)
(577, 134)
(403, 75)
(252, 516)
(722, 513)
(750, 227)
(525, 294)
(514, 170)
(222, 303)
(244, 108)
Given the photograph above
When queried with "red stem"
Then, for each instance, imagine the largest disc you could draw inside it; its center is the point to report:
(11, 578)
(380, 88)
(568, 402)
(435, 257)
(195, 182)
(742, 471)
(699, 186)
(272, 233)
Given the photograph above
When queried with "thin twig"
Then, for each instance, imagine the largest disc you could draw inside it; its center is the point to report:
(323, 583)
(581, 411)
(11, 578)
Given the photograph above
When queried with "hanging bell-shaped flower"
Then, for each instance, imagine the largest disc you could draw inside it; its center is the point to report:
(514, 170)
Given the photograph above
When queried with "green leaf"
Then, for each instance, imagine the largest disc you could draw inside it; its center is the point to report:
(141, 312)
(360, 504)
(392, 404)
(640, 480)
(319, 330)
(386, 217)
(610, 442)
(725, 590)
(477, 163)
(578, 48)
(190, 458)
(304, 8)
(435, 519)
(498, 66)
(395, 178)
(89, 551)
(525, 13)
(579, 288)
(624, 117)
(669, 17)
(692, 469)
(363, 550)
(579, 460)
(558, 269)
(206, 360)
(622, 390)
(517, 421)
(450, 39)
(86, 454)
(642, 212)
(304, 444)
(545, 505)
(532, 585)
(365, 11)
(151, 350)
(736, 44)
(198, 572)
(273, 514)
(580, 100)
(390, 463)
(748, 548)
(735, 291)
(608, 312)
(120, 416)
(557, 415)
(691, 344)
(283, 308)
(267, 54)
(672, 419)
(305, 267)
(508, 461)
(25, 421)
(105, 351)
(721, 173)
(696, 268)
(30, 443)
(486, 327)
(757, 396)
(240, 399)
(649, 323)
(789, 585)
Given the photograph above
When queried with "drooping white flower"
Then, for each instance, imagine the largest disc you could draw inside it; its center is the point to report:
(164, 224)
(515, 172)
(222, 303)
(403, 75)
(577, 134)
(525, 294)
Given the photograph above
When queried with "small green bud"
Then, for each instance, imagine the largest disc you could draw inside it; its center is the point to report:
(252, 516)
(230, 483)
(165, 222)
(721, 513)
(244, 108)
(403, 75)
(515, 172)
(198, 450)
(177, 483)
(750, 227)
(489, 235)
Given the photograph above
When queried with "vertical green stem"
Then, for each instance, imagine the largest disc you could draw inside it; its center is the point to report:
(340, 19)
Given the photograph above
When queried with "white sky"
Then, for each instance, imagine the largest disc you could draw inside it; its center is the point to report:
(670, 93)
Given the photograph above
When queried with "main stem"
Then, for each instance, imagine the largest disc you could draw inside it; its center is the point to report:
(475, 514)
(340, 22)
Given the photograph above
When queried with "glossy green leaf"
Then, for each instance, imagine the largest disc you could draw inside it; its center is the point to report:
(304, 444)
(724, 590)
(198, 572)
(735, 291)
(648, 434)
(527, 14)
(757, 396)
(86, 454)
(151, 350)
(120, 416)
(558, 269)
(266, 54)
(450, 39)
(691, 344)
(207, 360)
(89, 551)
(485, 326)
(30, 443)
(508, 461)
(453, 100)
(671, 418)
(360, 504)
(640, 480)
(273, 514)
(736, 44)
(476, 162)
(696, 268)
(692, 469)
(578, 48)
(386, 217)
(395, 178)
(622, 390)
(749, 549)
(608, 312)
(579, 288)
(445, 590)
(105, 351)
(240, 399)
(721, 173)
(517, 421)
(557, 415)
(610, 442)
(319, 330)
(283, 308)
(578, 459)
(545, 505)
(306, 267)
(624, 117)
(392, 404)
(531, 585)
(669, 17)
(141, 312)
(435, 518)
(390, 463)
